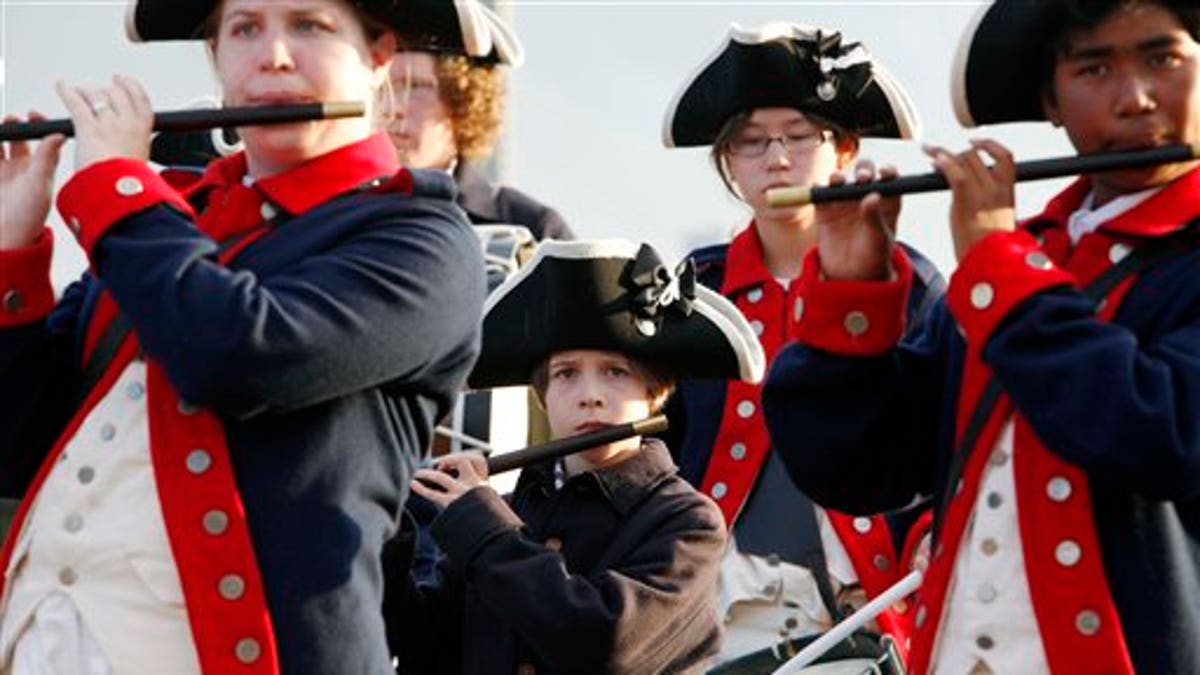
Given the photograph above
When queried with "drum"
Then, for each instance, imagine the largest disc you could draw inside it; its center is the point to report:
(864, 653)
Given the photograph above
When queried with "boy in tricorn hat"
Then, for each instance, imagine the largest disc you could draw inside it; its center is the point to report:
(1052, 403)
(604, 561)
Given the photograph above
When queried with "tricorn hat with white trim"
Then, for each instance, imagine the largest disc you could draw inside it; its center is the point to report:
(793, 66)
(464, 26)
(612, 295)
(1003, 55)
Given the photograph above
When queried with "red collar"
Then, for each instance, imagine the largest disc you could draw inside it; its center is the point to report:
(745, 262)
(314, 182)
(1161, 214)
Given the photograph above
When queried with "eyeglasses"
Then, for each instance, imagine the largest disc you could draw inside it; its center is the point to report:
(750, 147)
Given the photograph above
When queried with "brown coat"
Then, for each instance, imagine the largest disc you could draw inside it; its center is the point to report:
(613, 573)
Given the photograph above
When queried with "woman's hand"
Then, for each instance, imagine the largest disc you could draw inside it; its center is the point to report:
(452, 476)
(26, 186)
(982, 199)
(855, 239)
(115, 121)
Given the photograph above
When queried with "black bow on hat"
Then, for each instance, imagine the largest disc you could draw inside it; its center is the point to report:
(792, 66)
(660, 289)
(611, 295)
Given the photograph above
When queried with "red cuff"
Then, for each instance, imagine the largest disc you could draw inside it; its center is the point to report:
(999, 272)
(26, 293)
(856, 318)
(105, 193)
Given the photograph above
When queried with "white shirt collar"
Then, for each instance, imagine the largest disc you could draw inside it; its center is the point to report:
(1086, 219)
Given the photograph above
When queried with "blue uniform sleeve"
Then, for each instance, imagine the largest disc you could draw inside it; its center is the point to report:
(386, 289)
(1120, 400)
(860, 434)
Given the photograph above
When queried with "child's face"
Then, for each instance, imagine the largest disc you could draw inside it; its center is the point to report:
(589, 389)
(1130, 83)
(808, 158)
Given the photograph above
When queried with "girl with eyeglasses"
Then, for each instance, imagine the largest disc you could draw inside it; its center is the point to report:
(781, 105)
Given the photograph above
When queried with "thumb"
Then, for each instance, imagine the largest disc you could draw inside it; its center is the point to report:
(48, 151)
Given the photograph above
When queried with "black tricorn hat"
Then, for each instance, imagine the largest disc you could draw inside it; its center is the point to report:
(1000, 65)
(793, 66)
(612, 295)
(464, 24)
(446, 27)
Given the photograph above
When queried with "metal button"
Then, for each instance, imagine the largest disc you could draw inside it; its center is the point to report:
(231, 587)
(73, 523)
(1117, 252)
(719, 490)
(247, 650)
(798, 309)
(989, 546)
(856, 323)
(216, 522)
(554, 543)
(268, 211)
(773, 559)
(199, 461)
(921, 614)
(128, 186)
(1038, 260)
(994, 500)
(745, 409)
(186, 408)
(134, 390)
(757, 327)
(1058, 489)
(881, 562)
(107, 432)
(998, 458)
(987, 593)
(1067, 553)
(67, 576)
(770, 589)
(985, 642)
(862, 525)
(754, 294)
(982, 295)
(1087, 622)
(13, 301)
(790, 623)
(73, 224)
(738, 451)
(86, 474)
(1101, 304)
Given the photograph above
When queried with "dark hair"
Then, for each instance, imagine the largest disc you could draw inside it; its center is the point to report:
(658, 383)
(1069, 18)
(738, 121)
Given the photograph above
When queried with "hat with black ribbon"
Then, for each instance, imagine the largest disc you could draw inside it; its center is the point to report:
(462, 26)
(1004, 57)
(793, 66)
(612, 295)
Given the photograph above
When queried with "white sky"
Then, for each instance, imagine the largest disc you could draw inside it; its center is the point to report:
(587, 107)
